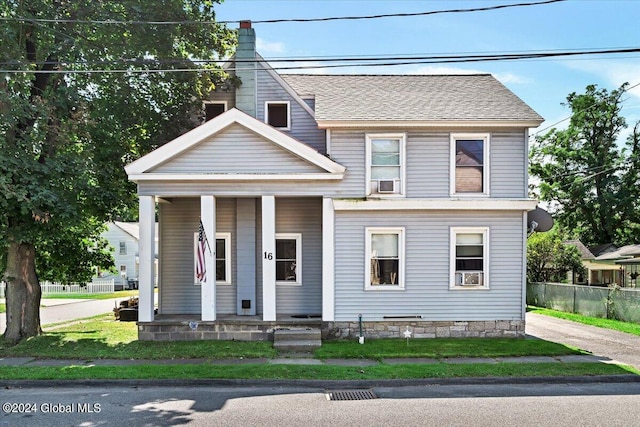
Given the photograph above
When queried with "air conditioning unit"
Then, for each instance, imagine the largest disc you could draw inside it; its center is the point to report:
(387, 186)
(470, 278)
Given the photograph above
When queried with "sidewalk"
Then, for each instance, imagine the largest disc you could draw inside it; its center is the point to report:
(32, 361)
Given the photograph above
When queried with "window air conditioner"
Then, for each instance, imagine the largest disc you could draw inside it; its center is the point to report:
(387, 186)
(471, 278)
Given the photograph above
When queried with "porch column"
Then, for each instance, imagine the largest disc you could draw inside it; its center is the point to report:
(268, 258)
(208, 286)
(328, 258)
(146, 255)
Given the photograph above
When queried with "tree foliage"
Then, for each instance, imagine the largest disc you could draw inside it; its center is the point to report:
(65, 136)
(549, 259)
(591, 182)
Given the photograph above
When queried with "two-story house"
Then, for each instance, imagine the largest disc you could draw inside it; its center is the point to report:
(400, 200)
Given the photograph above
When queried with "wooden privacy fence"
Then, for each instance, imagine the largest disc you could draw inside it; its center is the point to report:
(96, 287)
(594, 301)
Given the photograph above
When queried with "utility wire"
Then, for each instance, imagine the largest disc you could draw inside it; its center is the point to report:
(351, 62)
(275, 21)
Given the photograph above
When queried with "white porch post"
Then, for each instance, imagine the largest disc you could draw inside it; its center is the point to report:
(268, 258)
(146, 254)
(328, 258)
(208, 286)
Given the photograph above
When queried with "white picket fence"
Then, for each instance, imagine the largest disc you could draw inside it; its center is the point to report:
(96, 287)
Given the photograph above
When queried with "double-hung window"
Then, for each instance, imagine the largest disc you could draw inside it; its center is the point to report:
(470, 164)
(385, 164)
(469, 258)
(123, 248)
(384, 263)
(223, 257)
(289, 258)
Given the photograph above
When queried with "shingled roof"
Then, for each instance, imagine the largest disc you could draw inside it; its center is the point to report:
(420, 98)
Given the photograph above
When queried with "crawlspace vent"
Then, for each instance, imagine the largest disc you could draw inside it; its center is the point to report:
(351, 395)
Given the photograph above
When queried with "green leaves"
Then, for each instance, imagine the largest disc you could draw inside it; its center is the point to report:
(65, 137)
(583, 171)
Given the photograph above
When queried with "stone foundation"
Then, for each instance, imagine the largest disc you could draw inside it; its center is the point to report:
(263, 331)
(425, 329)
(176, 330)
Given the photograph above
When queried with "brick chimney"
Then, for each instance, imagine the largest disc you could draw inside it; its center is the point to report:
(246, 98)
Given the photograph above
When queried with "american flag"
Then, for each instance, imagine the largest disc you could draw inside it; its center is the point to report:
(201, 266)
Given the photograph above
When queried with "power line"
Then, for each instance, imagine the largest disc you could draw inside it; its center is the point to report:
(275, 21)
(350, 62)
(579, 111)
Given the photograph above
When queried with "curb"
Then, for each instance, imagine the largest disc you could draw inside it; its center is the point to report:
(324, 384)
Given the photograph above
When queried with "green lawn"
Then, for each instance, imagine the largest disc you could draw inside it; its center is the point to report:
(118, 294)
(630, 328)
(3, 308)
(102, 337)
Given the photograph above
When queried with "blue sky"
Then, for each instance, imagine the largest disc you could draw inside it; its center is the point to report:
(543, 83)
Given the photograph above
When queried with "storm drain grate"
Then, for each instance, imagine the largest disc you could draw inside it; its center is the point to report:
(351, 395)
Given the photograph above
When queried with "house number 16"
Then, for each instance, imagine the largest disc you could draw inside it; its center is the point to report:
(268, 255)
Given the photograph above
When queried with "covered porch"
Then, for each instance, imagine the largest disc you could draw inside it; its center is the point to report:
(251, 301)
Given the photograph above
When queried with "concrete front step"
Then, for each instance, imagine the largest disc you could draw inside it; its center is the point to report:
(297, 340)
(297, 345)
(296, 334)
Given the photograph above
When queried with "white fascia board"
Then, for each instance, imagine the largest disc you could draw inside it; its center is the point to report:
(265, 66)
(219, 123)
(236, 177)
(387, 124)
(435, 204)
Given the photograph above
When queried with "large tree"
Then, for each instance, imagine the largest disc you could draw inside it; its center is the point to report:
(87, 99)
(589, 177)
(549, 258)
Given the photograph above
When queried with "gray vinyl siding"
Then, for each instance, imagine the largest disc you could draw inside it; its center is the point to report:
(237, 150)
(509, 162)
(426, 263)
(304, 216)
(178, 222)
(348, 149)
(303, 126)
(427, 165)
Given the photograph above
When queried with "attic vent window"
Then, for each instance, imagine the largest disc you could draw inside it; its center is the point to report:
(213, 109)
(277, 114)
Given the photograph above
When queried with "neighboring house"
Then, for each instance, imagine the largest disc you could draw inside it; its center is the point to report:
(123, 240)
(626, 261)
(400, 199)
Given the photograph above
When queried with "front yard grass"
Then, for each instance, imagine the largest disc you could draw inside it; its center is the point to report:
(102, 337)
(118, 294)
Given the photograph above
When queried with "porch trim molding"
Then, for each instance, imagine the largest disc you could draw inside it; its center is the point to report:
(208, 286)
(328, 257)
(485, 204)
(146, 255)
(268, 256)
(236, 177)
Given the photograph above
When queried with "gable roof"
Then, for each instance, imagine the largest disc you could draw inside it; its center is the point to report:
(461, 99)
(141, 169)
(585, 253)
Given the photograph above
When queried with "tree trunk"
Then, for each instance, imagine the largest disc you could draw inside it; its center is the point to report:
(22, 294)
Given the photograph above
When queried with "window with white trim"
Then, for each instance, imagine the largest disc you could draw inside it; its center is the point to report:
(223, 258)
(123, 248)
(385, 164)
(384, 262)
(470, 164)
(469, 257)
(278, 114)
(289, 258)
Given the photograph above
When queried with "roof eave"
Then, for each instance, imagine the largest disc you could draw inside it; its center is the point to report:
(329, 124)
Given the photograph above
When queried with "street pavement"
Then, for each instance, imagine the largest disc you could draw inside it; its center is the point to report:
(55, 310)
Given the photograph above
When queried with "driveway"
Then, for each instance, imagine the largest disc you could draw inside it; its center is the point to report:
(617, 346)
